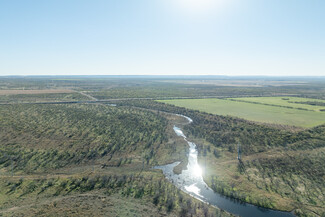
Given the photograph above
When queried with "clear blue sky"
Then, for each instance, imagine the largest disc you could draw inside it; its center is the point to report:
(166, 37)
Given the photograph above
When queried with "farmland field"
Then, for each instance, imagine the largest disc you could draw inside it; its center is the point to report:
(257, 112)
(294, 102)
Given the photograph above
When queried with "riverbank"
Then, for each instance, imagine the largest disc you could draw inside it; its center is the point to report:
(192, 182)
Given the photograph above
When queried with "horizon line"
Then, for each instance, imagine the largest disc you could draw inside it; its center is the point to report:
(161, 75)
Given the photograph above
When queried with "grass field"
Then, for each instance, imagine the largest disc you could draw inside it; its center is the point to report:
(295, 102)
(256, 112)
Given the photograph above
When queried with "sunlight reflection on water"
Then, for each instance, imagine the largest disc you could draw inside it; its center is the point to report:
(196, 171)
(194, 189)
(191, 181)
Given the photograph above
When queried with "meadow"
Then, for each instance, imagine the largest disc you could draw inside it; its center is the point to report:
(289, 102)
(258, 112)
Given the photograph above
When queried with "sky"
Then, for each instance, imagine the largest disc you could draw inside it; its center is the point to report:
(162, 37)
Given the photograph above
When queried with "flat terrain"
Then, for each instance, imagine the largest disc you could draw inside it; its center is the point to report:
(255, 112)
(81, 159)
(90, 160)
(17, 96)
(15, 92)
(294, 102)
(237, 83)
(279, 169)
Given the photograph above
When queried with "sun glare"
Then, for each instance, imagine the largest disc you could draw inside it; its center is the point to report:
(197, 171)
(194, 189)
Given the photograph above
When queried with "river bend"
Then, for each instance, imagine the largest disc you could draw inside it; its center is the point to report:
(191, 182)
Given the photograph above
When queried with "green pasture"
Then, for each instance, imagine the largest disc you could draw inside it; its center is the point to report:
(255, 112)
(285, 101)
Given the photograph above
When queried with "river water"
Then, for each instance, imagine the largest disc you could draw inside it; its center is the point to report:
(191, 182)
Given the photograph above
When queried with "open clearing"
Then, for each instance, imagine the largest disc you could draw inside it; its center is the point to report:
(295, 102)
(255, 112)
(16, 92)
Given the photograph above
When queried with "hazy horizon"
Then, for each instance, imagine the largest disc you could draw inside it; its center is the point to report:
(172, 37)
(188, 76)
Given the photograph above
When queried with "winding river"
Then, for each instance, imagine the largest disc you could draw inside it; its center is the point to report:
(191, 182)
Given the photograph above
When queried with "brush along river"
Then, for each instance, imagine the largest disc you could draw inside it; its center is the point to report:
(191, 182)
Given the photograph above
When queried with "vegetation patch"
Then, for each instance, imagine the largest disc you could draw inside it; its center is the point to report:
(279, 169)
(150, 191)
(254, 111)
(299, 103)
